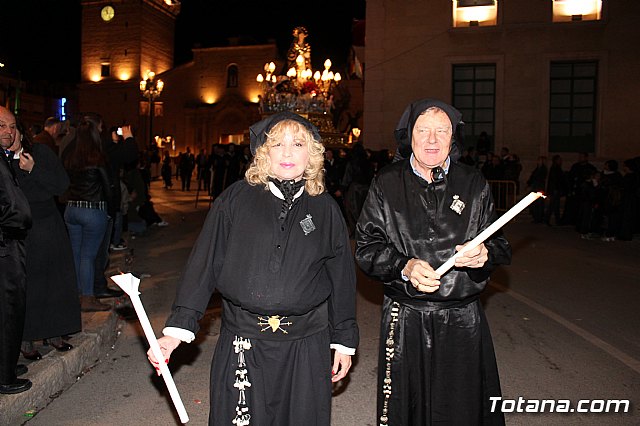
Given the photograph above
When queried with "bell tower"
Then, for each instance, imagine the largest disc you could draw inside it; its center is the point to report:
(122, 39)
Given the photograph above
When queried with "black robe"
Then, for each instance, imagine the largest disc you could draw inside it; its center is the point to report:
(15, 221)
(264, 266)
(53, 307)
(443, 367)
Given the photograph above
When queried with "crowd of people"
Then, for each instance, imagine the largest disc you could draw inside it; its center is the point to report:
(214, 171)
(601, 203)
(68, 194)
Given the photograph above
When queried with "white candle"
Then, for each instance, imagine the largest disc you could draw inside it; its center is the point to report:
(129, 284)
(491, 229)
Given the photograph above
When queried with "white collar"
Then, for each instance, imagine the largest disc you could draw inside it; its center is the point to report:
(447, 163)
(275, 191)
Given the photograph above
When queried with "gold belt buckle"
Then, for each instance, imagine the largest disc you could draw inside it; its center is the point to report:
(274, 322)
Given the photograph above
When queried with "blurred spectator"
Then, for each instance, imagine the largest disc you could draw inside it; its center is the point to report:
(53, 308)
(334, 171)
(483, 144)
(203, 170)
(589, 208)
(556, 189)
(492, 169)
(578, 174)
(233, 165)
(167, 171)
(611, 200)
(355, 184)
(630, 207)
(86, 214)
(512, 168)
(141, 212)
(219, 167)
(537, 183)
(50, 134)
(119, 150)
(245, 160)
(187, 164)
(136, 192)
(468, 157)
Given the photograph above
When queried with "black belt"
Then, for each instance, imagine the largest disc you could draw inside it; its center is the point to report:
(428, 305)
(274, 327)
(100, 205)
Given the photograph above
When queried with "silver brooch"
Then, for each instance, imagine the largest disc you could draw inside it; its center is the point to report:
(457, 205)
(307, 225)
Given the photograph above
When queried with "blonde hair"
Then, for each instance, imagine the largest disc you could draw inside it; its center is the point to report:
(260, 170)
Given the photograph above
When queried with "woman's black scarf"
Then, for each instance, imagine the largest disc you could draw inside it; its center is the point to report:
(289, 188)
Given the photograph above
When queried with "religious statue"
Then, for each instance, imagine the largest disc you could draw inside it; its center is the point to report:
(299, 47)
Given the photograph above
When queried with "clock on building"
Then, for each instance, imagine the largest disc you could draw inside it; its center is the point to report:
(107, 13)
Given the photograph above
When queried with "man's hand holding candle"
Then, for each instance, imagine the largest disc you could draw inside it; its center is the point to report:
(474, 258)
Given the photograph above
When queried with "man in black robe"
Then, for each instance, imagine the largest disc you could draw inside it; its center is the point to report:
(437, 364)
(276, 247)
(15, 221)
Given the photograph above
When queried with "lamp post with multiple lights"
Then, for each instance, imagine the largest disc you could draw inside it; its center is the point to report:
(151, 88)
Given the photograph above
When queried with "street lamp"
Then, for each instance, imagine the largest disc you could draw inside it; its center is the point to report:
(151, 89)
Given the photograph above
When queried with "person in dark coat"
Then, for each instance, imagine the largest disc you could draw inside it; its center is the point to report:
(187, 164)
(611, 201)
(15, 222)
(232, 160)
(53, 308)
(578, 177)
(436, 360)
(219, 166)
(355, 183)
(167, 170)
(285, 271)
(50, 134)
(333, 173)
(630, 203)
(556, 189)
(537, 182)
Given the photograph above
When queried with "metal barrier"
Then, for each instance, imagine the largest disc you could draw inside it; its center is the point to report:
(504, 194)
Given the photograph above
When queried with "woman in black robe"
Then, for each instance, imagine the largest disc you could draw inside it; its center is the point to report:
(53, 307)
(276, 247)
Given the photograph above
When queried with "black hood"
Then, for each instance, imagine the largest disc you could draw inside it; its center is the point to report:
(258, 131)
(404, 129)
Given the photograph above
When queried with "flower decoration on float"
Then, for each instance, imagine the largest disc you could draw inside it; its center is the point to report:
(301, 90)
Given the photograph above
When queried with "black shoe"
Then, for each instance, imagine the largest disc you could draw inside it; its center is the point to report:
(20, 385)
(60, 346)
(32, 356)
(21, 370)
(108, 293)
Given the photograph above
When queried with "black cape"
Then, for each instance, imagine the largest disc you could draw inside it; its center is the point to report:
(267, 266)
(444, 367)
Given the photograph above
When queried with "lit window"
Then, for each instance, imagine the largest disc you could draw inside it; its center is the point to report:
(105, 69)
(475, 13)
(577, 10)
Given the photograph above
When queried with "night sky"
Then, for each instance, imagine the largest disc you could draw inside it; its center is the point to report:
(41, 38)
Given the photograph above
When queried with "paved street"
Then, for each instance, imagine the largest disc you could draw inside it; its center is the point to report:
(564, 319)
